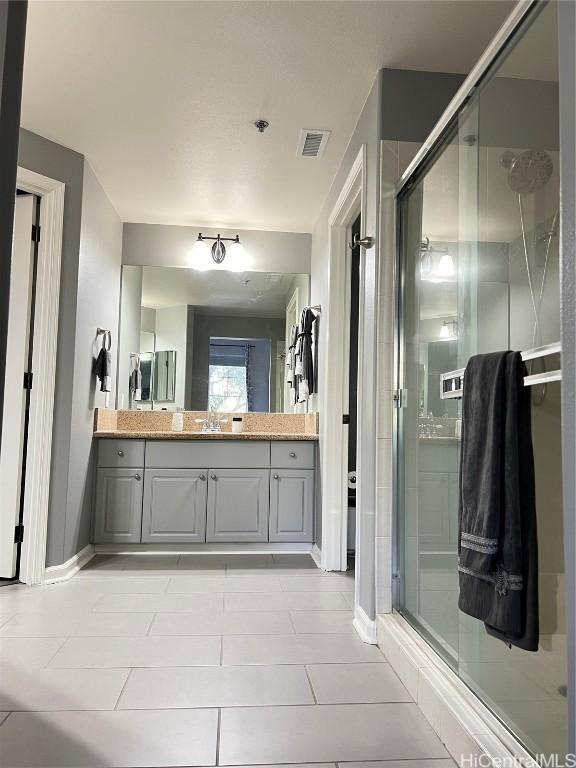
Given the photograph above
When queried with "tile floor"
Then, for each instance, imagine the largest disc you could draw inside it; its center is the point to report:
(200, 660)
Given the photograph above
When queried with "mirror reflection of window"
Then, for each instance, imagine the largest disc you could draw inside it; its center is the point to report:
(180, 312)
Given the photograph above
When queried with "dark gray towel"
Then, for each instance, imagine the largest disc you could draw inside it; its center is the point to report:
(497, 544)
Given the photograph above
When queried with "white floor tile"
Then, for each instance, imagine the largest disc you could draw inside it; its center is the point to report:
(298, 649)
(326, 733)
(142, 739)
(28, 652)
(356, 684)
(158, 603)
(205, 584)
(84, 625)
(189, 687)
(223, 623)
(312, 584)
(49, 690)
(286, 601)
(103, 652)
(323, 622)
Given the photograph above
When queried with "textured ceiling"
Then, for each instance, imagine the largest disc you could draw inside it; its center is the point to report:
(161, 96)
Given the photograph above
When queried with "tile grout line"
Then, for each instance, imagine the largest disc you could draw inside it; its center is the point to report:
(123, 689)
(310, 684)
(217, 757)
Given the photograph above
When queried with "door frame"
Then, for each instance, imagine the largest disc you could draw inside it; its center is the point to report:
(45, 342)
(334, 437)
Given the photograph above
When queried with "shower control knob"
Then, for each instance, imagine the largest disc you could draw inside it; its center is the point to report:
(292, 454)
(120, 453)
(137, 477)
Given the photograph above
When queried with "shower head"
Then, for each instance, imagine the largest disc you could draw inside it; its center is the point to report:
(528, 171)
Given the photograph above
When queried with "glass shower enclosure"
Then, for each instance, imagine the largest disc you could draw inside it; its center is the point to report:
(479, 272)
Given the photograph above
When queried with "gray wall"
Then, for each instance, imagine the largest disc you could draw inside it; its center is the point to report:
(98, 305)
(567, 61)
(12, 36)
(158, 245)
(236, 327)
(413, 101)
(89, 297)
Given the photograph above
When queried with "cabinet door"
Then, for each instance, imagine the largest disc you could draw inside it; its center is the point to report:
(238, 505)
(291, 505)
(118, 514)
(174, 505)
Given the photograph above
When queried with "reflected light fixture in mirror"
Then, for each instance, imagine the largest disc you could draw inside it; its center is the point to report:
(449, 330)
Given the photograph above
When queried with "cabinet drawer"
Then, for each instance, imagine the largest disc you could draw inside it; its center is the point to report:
(120, 453)
(293, 455)
(180, 454)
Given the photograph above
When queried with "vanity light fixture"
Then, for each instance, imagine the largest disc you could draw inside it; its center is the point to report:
(204, 258)
(449, 330)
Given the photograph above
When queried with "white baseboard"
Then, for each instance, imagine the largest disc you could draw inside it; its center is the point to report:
(65, 571)
(317, 555)
(264, 548)
(365, 626)
(471, 733)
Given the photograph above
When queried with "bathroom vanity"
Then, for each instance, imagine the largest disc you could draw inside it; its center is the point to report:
(192, 488)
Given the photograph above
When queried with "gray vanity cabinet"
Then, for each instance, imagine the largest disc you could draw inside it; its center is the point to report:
(118, 512)
(292, 505)
(174, 505)
(238, 505)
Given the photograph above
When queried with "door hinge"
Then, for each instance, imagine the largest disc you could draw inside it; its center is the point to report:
(28, 379)
(345, 418)
(400, 398)
(18, 534)
(35, 233)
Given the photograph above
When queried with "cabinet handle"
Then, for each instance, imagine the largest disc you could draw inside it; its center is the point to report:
(120, 453)
(292, 454)
(276, 477)
(213, 477)
(137, 477)
(202, 477)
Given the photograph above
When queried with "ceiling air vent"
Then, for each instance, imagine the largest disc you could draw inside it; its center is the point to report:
(312, 143)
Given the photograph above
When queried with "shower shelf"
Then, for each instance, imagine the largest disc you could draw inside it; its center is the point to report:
(451, 382)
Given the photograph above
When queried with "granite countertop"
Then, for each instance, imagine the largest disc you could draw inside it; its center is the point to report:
(195, 435)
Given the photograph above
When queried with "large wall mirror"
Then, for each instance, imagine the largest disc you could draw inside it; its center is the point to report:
(212, 340)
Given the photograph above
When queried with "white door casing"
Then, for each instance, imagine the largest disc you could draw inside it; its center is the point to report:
(336, 321)
(45, 342)
(14, 393)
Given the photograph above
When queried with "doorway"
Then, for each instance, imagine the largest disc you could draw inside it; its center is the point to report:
(18, 382)
(353, 383)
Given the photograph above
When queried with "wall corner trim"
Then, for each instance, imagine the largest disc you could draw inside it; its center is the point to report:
(365, 626)
(316, 555)
(55, 573)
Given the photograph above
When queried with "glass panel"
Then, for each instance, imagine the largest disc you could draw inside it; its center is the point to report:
(480, 254)
(429, 424)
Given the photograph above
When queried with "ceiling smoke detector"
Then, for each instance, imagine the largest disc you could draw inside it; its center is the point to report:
(261, 125)
(312, 143)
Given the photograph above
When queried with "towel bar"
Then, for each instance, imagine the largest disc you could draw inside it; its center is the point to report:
(451, 382)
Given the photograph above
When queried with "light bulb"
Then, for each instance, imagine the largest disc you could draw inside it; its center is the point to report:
(446, 266)
(445, 331)
(200, 258)
(237, 259)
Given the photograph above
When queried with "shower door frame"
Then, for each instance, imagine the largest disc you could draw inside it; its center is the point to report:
(567, 256)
